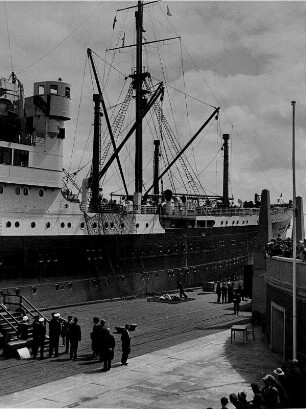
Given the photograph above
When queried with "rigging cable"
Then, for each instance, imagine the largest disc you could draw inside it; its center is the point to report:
(78, 115)
(62, 41)
(8, 36)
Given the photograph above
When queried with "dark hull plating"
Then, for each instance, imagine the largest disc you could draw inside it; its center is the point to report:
(64, 270)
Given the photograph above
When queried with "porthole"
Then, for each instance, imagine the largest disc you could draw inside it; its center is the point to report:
(94, 225)
(48, 225)
(237, 222)
(41, 192)
(226, 222)
(1, 190)
(69, 225)
(221, 223)
(147, 224)
(82, 225)
(106, 225)
(17, 224)
(242, 221)
(247, 222)
(122, 225)
(137, 225)
(17, 191)
(112, 225)
(233, 222)
(33, 225)
(62, 225)
(8, 224)
(25, 191)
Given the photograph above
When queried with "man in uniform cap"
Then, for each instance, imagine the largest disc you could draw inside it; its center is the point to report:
(41, 337)
(23, 328)
(54, 334)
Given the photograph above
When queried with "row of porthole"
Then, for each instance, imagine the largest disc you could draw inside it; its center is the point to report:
(233, 222)
(25, 191)
(48, 225)
(82, 225)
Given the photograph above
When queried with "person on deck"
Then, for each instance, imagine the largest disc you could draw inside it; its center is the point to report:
(126, 344)
(75, 338)
(54, 334)
(110, 344)
(181, 288)
(23, 328)
(95, 335)
(218, 291)
(41, 338)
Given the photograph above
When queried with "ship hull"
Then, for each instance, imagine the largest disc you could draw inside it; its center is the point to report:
(63, 270)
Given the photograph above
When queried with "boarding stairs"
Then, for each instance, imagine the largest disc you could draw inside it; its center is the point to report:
(13, 307)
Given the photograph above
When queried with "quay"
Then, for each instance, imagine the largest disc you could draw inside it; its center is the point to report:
(181, 356)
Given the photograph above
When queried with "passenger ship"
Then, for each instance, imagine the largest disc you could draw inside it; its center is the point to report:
(61, 246)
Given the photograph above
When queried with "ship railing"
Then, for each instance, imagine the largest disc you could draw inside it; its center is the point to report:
(205, 211)
(182, 211)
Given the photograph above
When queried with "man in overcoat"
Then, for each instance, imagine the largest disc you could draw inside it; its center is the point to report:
(75, 338)
(126, 344)
(54, 334)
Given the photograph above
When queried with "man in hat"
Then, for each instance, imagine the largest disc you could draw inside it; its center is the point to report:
(95, 334)
(65, 332)
(54, 334)
(41, 337)
(126, 344)
(109, 350)
(103, 333)
(75, 338)
(23, 328)
(270, 393)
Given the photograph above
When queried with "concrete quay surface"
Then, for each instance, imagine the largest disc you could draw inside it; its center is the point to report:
(182, 357)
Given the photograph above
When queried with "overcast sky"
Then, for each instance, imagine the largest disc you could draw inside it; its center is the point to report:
(246, 57)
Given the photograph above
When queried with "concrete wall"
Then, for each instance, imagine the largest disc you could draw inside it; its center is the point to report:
(278, 278)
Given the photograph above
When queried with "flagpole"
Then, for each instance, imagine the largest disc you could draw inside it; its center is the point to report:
(293, 238)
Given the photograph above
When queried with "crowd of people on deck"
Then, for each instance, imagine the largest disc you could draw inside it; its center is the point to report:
(284, 248)
(284, 388)
(227, 293)
(69, 330)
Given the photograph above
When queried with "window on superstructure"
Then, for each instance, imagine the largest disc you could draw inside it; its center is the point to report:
(5, 156)
(67, 92)
(1, 190)
(21, 158)
(41, 90)
(41, 192)
(25, 191)
(53, 89)
(17, 191)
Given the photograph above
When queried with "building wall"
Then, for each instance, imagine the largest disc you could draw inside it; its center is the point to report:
(278, 278)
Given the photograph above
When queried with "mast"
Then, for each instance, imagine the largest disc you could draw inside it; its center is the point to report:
(225, 170)
(96, 153)
(294, 210)
(139, 96)
(156, 166)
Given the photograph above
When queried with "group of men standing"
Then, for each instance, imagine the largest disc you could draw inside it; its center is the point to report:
(226, 293)
(103, 343)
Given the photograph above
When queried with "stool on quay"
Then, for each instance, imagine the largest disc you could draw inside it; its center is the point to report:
(239, 328)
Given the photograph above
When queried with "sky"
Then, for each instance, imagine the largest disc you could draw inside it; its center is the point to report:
(246, 57)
